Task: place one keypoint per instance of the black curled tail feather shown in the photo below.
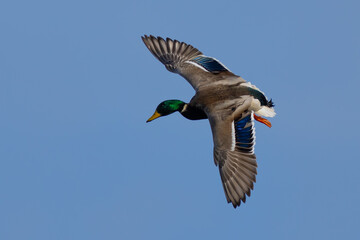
(270, 103)
(257, 94)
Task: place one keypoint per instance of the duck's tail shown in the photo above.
(270, 104)
(266, 111)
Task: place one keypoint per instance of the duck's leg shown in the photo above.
(262, 120)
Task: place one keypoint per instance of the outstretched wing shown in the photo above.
(234, 142)
(189, 62)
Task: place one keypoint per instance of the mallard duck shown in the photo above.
(229, 102)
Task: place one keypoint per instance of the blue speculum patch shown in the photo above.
(244, 136)
(210, 64)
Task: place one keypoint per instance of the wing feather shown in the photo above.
(177, 57)
(237, 166)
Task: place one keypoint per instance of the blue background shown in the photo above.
(78, 161)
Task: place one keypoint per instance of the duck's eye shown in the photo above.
(233, 109)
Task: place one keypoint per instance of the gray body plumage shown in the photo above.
(226, 100)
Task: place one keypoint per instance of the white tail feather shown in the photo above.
(266, 112)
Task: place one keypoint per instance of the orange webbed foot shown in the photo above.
(262, 120)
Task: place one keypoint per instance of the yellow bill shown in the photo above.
(154, 116)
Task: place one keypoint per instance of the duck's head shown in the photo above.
(167, 107)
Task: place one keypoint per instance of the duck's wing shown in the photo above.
(234, 141)
(189, 62)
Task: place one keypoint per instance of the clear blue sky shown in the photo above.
(78, 161)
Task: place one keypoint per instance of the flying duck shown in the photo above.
(229, 103)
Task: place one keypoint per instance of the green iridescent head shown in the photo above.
(167, 107)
